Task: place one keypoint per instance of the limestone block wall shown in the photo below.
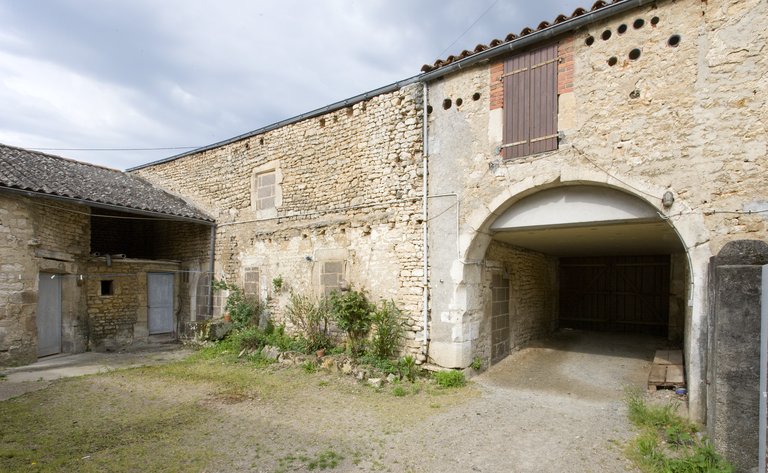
(40, 235)
(533, 296)
(348, 190)
(120, 318)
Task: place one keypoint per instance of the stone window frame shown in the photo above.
(332, 275)
(271, 167)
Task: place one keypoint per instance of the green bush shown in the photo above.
(450, 379)
(353, 314)
(244, 310)
(388, 334)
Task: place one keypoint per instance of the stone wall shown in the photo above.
(348, 190)
(120, 318)
(39, 235)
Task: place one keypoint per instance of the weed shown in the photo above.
(309, 367)
(477, 364)
(311, 318)
(399, 391)
(325, 460)
(450, 379)
(407, 368)
(353, 313)
(277, 283)
(669, 443)
(388, 333)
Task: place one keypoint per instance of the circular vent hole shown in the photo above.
(459, 101)
(429, 109)
(622, 28)
(446, 104)
(606, 35)
(476, 96)
(655, 20)
(612, 61)
(674, 40)
(589, 41)
(634, 54)
(638, 23)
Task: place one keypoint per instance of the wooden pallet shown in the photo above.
(667, 371)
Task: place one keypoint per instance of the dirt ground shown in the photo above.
(553, 407)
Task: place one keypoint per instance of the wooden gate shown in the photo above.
(616, 293)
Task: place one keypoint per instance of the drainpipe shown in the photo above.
(425, 278)
(211, 269)
(763, 370)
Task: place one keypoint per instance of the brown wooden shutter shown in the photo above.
(530, 102)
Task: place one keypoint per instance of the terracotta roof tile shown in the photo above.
(511, 37)
(27, 170)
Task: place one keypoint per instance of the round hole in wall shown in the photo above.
(606, 35)
(634, 54)
(635, 94)
(589, 41)
(655, 20)
(476, 96)
(322, 122)
(459, 101)
(350, 111)
(622, 28)
(612, 61)
(638, 23)
(429, 109)
(446, 104)
(261, 141)
(674, 40)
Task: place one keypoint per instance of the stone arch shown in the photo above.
(475, 238)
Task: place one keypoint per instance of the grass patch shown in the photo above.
(450, 379)
(668, 443)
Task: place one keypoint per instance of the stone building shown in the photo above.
(580, 174)
(92, 258)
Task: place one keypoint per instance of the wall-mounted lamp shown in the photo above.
(667, 200)
(308, 258)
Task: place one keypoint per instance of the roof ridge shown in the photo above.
(49, 155)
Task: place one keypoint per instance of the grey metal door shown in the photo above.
(48, 315)
(160, 300)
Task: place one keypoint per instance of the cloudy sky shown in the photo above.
(185, 73)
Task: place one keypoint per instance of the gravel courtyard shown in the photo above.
(555, 406)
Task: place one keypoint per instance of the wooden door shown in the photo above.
(618, 293)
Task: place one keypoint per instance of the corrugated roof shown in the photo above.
(32, 171)
(511, 37)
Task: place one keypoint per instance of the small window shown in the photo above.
(251, 282)
(331, 275)
(265, 190)
(107, 287)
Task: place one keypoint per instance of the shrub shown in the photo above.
(244, 310)
(450, 379)
(388, 323)
(310, 317)
(353, 313)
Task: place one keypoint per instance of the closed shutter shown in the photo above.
(530, 102)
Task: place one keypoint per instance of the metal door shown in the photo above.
(617, 293)
(48, 314)
(160, 302)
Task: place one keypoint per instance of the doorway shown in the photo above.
(48, 315)
(160, 302)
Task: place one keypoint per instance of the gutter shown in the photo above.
(504, 48)
(425, 212)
